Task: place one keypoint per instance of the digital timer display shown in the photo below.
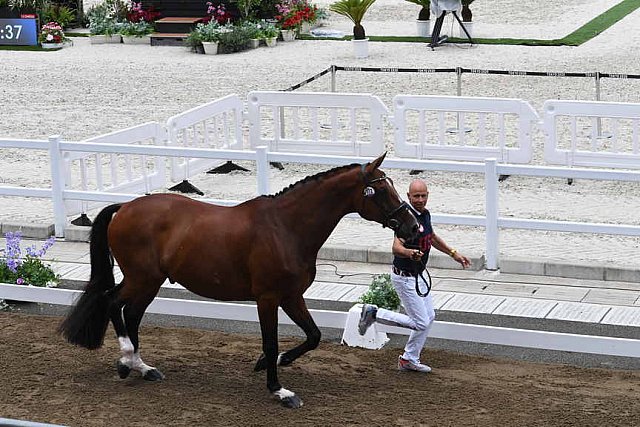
(18, 32)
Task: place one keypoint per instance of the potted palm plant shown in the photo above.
(423, 23)
(467, 17)
(355, 10)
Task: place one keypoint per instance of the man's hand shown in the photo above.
(416, 255)
(463, 260)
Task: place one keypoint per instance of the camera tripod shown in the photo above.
(436, 40)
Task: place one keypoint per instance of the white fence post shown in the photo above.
(57, 185)
(262, 170)
(491, 207)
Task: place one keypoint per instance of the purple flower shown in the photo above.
(13, 264)
(20, 281)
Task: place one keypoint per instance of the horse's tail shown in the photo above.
(86, 324)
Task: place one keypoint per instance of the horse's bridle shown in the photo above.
(389, 220)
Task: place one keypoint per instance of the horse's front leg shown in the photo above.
(268, 314)
(296, 309)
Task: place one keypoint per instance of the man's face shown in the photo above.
(418, 196)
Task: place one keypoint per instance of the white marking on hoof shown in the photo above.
(139, 365)
(283, 393)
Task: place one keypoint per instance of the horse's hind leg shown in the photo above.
(126, 316)
(296, 309)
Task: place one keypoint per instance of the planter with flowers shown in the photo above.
(26, 269)
(292, 15)
(381, 293)
(136, 32)
(355, 11)
(254, 31)
(206, 37)
(51, 36)
(269, 34)
(104, 21)
(218, 13)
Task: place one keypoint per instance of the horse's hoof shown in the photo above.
(153, 375)
(284, 360)
(123, 370)
(293, 402)
(261, 364)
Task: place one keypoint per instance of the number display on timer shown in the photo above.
(19, 32)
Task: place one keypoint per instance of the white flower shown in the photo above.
(49, 37)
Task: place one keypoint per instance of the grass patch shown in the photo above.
(583, 34)
(11, 47)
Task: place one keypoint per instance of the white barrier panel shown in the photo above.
(338, 320)
(115, 173)
(216, 125)
(319, 123)
(463, 128)
(591, 133)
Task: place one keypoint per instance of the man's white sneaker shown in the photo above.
(405, 365)
(367, 317)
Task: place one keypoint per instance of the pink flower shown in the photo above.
(20, 281)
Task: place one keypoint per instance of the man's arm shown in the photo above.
(439, 244)
(399, 250)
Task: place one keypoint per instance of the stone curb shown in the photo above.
(507, 265)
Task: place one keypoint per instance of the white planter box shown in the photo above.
(136, 40)
(361, 48)
(423, 28)
(210, 48)
(102, 39)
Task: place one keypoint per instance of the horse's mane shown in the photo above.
(315, 177)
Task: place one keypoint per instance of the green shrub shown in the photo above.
(381, 293)
(235, 40)
(135, 29)
(60, 14)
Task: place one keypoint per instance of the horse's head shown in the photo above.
(381, 202)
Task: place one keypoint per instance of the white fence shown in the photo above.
(115, 173)
(491, 170)
(218, 124)
(338, 320)
(463, 128)
(601, 134)
(321, 123)
(425, 127)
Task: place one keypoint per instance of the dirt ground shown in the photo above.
(210, 382)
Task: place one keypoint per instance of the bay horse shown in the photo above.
(262, 250)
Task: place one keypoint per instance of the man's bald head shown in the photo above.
(418, 195)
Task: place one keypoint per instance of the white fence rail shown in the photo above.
(491, 170)
(463, 128)
(217, 124)
(320, 123)
(116, 173)
(586, 133)
(338, 320)
(491, 221)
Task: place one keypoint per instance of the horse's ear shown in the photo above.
(376, 163)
